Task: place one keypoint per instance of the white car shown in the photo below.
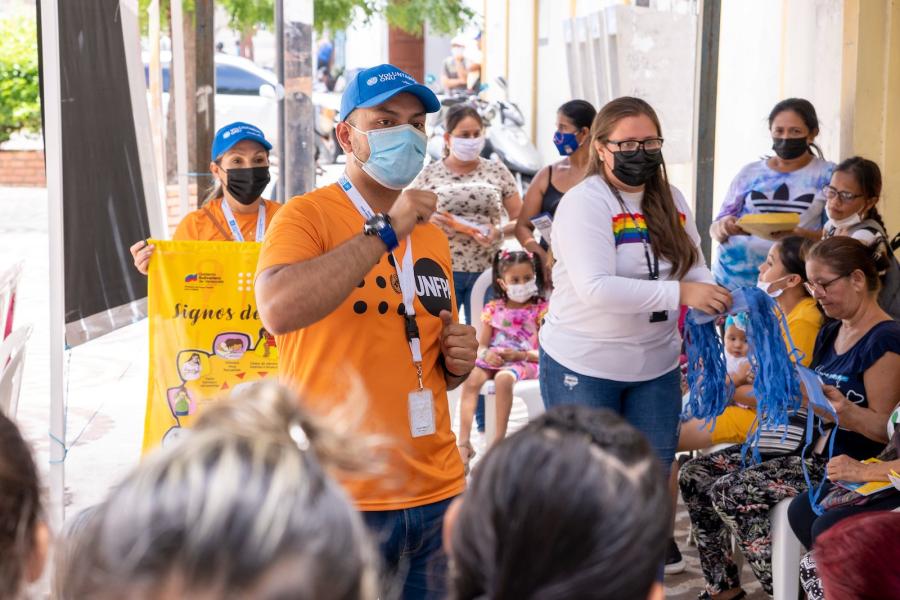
(244, 92)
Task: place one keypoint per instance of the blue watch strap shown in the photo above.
(388, 235)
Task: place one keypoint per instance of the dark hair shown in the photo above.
(504, 259)
(844, 255)
(670, 240)
(791, 252)
(459, 112)
(868, 176)
(20, 506)
(804, 109)
(571, 506)
(580, 112)
(858, 557)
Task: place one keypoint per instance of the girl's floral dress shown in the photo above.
(514, 329)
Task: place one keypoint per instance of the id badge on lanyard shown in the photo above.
(233, 226)
(420, 401)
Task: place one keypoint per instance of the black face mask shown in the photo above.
(636, 170)
(246, 185)
(790, 148)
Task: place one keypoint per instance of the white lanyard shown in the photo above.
(405, 274)
(232, 223)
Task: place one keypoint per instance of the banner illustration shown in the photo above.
(206, 338)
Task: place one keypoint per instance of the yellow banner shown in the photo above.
(206, 338)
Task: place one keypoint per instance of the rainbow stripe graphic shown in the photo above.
(628, 231)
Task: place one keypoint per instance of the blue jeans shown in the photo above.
(653, 406)
(414, 566)
(463, 282)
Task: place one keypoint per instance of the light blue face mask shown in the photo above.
(396, 155)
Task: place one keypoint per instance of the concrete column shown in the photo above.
(870, 93)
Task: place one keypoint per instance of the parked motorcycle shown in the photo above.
(506, 139)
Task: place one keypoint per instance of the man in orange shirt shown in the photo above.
(354, 281)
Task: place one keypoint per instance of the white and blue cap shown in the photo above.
(235, 132)
(376, 85)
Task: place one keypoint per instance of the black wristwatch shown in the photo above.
(380, 225)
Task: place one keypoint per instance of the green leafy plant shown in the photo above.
(20, 102)
(444, 16)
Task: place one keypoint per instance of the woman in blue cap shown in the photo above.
(233, 208)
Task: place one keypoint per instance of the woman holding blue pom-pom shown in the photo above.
(627, 257)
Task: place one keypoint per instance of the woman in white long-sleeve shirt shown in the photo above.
(627, 257)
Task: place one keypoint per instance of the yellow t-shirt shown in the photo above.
(804, 323)
(198, 226)
(365, 336)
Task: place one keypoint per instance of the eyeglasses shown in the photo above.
(811, 286)
(832, 192)
(630, 147)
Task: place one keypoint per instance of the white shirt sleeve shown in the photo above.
(583, 240)
(699, 272)
(865, 236)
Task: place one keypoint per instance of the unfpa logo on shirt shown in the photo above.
(432, 286)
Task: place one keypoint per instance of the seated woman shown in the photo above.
(242, 507)
(852, 206)
(859, 354)
(514, 535)
(841, 503)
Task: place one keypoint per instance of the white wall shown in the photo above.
(367, 44)
(770, 50)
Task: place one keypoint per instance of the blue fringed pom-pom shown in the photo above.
(776, 385)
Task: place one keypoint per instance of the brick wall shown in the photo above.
(22, 168)
(173, 204)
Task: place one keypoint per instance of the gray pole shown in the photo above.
(205, 105)
(299, 170)
(705, 115)
(279, 72)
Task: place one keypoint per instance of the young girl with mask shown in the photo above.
(233, 209)
(852, 199)
(508, 341)
(791, 181)
(573, 130)
(473, 191)
(627, 257)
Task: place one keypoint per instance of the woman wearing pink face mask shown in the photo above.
(478, 201)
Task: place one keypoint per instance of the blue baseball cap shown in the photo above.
(376, 85)
(235, 132)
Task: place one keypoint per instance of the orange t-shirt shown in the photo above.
(197, 225)
(365, 336)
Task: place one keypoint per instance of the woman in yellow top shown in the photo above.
(782, 276)
(233, 209)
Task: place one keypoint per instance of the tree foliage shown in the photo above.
(20, 102)
(248, 15)
(444, 16)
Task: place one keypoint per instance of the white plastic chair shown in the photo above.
(12, 363)
(529, 392)
(786, 548)
(9, 281)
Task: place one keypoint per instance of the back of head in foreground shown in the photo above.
(857, 558)
(572, 506)
(241, 508)
(23, 535)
